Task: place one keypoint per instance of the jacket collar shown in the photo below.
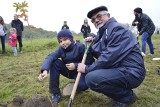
(70, 46)
(105, 26)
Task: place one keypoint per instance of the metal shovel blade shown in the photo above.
(70, 103)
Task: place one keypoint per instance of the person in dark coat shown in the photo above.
(146, 28)
(85, 29)
(18, 24)
(64, 61)
(65, 26)
(119, 65)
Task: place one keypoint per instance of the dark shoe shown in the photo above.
(159, 70)
(134, 98)
(3, 52)
(20, 50)
(118, 104)
(56, 98)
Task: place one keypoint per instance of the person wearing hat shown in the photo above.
(64, 61)
(146, 28)
(119, 65)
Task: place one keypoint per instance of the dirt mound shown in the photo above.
(17, 101)
(35, 101)
(38, 101)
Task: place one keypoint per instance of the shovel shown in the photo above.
(78, 76)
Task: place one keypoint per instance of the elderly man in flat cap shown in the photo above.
(146, 28)
(119, 66)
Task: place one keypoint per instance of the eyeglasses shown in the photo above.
(99, 16)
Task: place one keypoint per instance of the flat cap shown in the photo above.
(96, 10)
(138, 10)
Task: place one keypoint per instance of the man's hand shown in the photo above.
(136, 22)
(88, 39)
(42, 76)
(137, 36)
(70, 66)
(81, 67)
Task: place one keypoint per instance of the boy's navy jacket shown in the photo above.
(73, 54)
(116, 47)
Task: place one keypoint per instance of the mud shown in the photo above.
(35, 101)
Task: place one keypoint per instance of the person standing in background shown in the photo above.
(146, 28)
(65, 26)
(85, 29)
(3, 33)
(18, 24)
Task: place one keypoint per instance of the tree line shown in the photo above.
(34, 32)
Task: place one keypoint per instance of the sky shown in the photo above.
(50, 14)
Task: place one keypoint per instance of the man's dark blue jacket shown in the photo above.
(116, 47)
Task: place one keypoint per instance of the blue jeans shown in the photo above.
(147, 38)
(58, 68)
(3, 42)
(113, 83)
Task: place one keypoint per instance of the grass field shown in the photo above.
(18, 76)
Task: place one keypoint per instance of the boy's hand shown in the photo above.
(42, 76)
(70, 66)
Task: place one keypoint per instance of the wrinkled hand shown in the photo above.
(42, 76)
(88, 39)
(70, 66)
(81, 67)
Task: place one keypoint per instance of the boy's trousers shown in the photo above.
(57, 68)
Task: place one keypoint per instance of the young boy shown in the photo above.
(71, 53)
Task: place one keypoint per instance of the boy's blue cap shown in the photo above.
(65, 33)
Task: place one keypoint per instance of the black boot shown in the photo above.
(21, 50)
(159, 70)
(3, 51)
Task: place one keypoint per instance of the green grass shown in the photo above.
(18, 76)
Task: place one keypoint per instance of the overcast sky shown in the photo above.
(50, 14)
